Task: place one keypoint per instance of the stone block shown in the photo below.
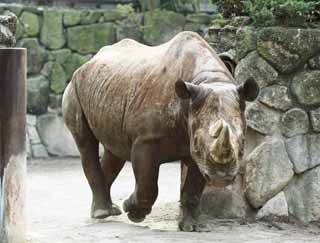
(55, 136)
(304, 151)
(294, 122)
(90, 38)
(37, 94)
(52, 32)
(268, 171)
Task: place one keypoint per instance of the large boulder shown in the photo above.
(160, 26)
(52, 32)
(30, 23)
(275, 208)
(90, 38)
(256, 67)
(304, 151)
(306, 87)
(36, 54)
(276, 96)
(261, 118)
(303, 196)
(287, 49)
(294, 122)
(229, 202)
(268, 171)
(37, 94)
(55, 136)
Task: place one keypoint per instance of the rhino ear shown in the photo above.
(186, 90)
(249, 90)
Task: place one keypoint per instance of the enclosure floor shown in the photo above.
(59, 203)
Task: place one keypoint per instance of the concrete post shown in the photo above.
(12, 144)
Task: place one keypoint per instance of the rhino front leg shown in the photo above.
(190, 198)
(146, 171)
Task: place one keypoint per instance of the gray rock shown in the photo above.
(90, 17)
(73, 62)
(55, 136)
(294, 122)
(268, 171)
(160, 26)
(288, 48)
(229, 202)
(30, 23)
(61, 55)
(36, 54)
(254, 66)
(276, 96)
(304, 151)
(37, 94)
(314, 63)
(55, 101)
(39, 151)
(315, 119)
(71, 17)
(130, 27)
(306, 87)
(303, 196)
(246, 41)
(56, 74)
(31, 120)
(276, 207)
(90, 38)
(261, 118)
(52, 32)
(33, 135)
(227, 36)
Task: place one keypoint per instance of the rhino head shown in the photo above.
(216, 125)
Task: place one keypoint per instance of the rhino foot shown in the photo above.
(101, 213)
(189, 225)
(135, 214)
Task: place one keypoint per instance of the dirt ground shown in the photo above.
(59, 203)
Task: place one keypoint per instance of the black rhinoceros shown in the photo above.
(152, 105)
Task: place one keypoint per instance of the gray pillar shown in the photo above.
(12, 144)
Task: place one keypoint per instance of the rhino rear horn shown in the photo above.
(249, 90)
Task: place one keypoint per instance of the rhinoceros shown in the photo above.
(152, 105)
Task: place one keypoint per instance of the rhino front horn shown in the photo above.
(221, 150)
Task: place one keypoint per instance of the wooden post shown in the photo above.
(12, 144)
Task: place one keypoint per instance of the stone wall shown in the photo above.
(60, 40)
(280, 175)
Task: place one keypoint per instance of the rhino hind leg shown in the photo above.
(89, 150)
(190, 199)
(146, 172)
(111, 166)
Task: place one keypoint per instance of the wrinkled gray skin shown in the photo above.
(152, 105)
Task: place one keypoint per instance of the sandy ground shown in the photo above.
(59, 202)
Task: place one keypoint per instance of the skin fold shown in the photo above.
(151, 105)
